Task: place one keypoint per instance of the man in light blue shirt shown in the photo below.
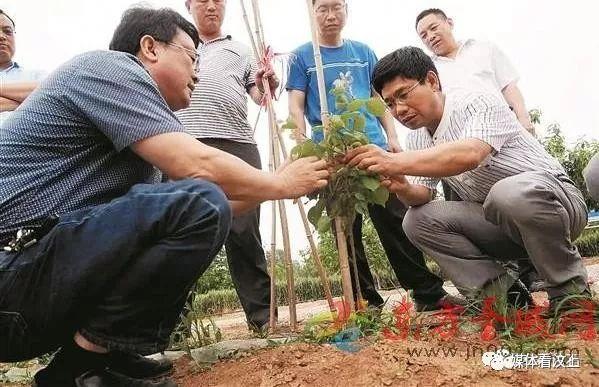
(355, 62)
(17, 82)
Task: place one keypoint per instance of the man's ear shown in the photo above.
(188, 5)
(433, 80)
(450, 22)
(147, 49)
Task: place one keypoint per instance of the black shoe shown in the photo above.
(109, 378)
(137, 366)
(68, 363)
(446, 302)
(519, 296)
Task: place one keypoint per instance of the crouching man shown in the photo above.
(106, 280)
(518, 201)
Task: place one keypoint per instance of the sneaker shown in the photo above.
(137, 366)
(110, 378)
(446, 302)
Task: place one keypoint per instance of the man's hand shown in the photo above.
(396, 184)
(394, 146)
(302, 176)
(268, 74)
(374, 159)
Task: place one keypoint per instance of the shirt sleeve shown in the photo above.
(505, 72)
(250, 73)
(372, 61)
(416, 141)
(297, 78)
(118, 96)
(490, 120)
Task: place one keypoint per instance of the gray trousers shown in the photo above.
(532, 215)
(591, 176)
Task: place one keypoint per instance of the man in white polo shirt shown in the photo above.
(518, 202)
(470, 64)
(17, 82)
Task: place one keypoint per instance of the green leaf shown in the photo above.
(359, 196)
(337, 122)
(310, 148)
(289, 124)
(361, 208)
(324, 224)
(355, 105)
(371, 183)
(314, 215)
(380, 196)
(359, 122)
(376, 107)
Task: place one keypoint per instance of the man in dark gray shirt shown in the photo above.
(106, 279)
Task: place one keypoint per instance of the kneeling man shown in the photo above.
(518, 201)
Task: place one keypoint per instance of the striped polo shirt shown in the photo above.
(219, 102)
(484, 117)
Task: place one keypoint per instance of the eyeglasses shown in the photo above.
(400, 97)
(192, 53)
(8, 31)
(336, 9)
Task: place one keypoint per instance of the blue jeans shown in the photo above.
(119, 273)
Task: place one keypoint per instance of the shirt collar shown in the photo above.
(444, 123)
(461, 45)
(225, 37)
(13, 65)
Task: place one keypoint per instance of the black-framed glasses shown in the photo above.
(400, 97)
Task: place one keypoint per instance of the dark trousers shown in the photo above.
(245, 255)
(118, 273)
(405, 259)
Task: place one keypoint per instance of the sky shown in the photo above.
(553, 45)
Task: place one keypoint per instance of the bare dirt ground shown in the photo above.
(384, 363)
(457, 362)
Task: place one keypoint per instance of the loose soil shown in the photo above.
(383, 363)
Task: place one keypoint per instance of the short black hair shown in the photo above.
(314, 2)
(430, 11)
(8, 17)
(161, 24)
(406, 62)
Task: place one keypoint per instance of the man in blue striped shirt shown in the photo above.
(95, 257)
(518, 201)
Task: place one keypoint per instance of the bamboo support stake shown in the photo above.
(273, 258)
(324, 113)
(276, 159)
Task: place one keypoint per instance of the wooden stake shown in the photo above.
(272, 123)
(324, 113)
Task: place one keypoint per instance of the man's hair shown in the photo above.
(430, 11)
(314, 2)
(161, 24)
(8, 17)
(407, 62)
